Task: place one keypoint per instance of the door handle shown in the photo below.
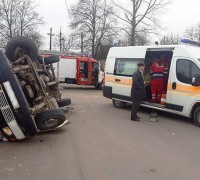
(174, 85)
(117, 80)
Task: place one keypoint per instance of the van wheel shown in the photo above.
(50, 59)
(19, 46)
(64, 102)
(50, 119)
(119, 104)
(196, 116)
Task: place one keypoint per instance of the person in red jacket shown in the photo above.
(165, 62)
(157, 73)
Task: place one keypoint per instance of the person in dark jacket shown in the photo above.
(137, 91)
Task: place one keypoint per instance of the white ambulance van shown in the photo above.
(183, 87)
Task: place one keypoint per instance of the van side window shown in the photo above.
(195, 70)
(125, 66)
(185, 70)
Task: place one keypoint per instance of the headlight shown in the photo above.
(11, 94)
(7, 131)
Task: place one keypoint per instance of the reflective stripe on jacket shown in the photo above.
(157, 70)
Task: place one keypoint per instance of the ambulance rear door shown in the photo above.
(125, 64)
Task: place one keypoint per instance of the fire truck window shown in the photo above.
(82, 66)
(95, 66)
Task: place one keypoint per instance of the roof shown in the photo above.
(140, 51)
(81, 58)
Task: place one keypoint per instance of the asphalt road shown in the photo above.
(102, 143)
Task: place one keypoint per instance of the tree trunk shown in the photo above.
(133, 25)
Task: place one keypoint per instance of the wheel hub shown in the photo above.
(198, 117)
(50, 123)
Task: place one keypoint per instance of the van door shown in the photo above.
(182, 93)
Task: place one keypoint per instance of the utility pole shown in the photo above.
(82, 44)
(60, 40)
(50, 34)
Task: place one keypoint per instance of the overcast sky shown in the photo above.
(179, 15)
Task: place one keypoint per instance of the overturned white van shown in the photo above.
(183, 86)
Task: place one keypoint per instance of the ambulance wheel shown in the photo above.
(50, 119)
(119, 104)
(196, 116)
(50, 59)
(19, 46)
(64, 102)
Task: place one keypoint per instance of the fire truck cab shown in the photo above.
(78, 70)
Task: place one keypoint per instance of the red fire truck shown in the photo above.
(78, 70)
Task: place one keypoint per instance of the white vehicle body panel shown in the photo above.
(66, 68)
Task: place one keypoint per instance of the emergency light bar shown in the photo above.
(188, 41)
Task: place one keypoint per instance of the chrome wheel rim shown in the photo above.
(50, 123)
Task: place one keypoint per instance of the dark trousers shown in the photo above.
(135, 108)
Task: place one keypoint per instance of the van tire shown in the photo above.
(50, 119)
(119, 104)
(50, 59)
(196, 116)
(26, 45)
(64, 102)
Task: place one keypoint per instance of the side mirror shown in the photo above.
(196, 80)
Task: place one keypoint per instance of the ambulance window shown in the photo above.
(195, 70)
(125, 66)
(186, 70)
(183, 71)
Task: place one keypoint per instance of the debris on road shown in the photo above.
(153, 117)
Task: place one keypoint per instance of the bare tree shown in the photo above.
(141, 39)
(170, 39)
(8, 16)
(66, 42)
(193, 33)
(36, 36)
(18, 17)
(28, 17)
(140, 16)
(94, 19)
